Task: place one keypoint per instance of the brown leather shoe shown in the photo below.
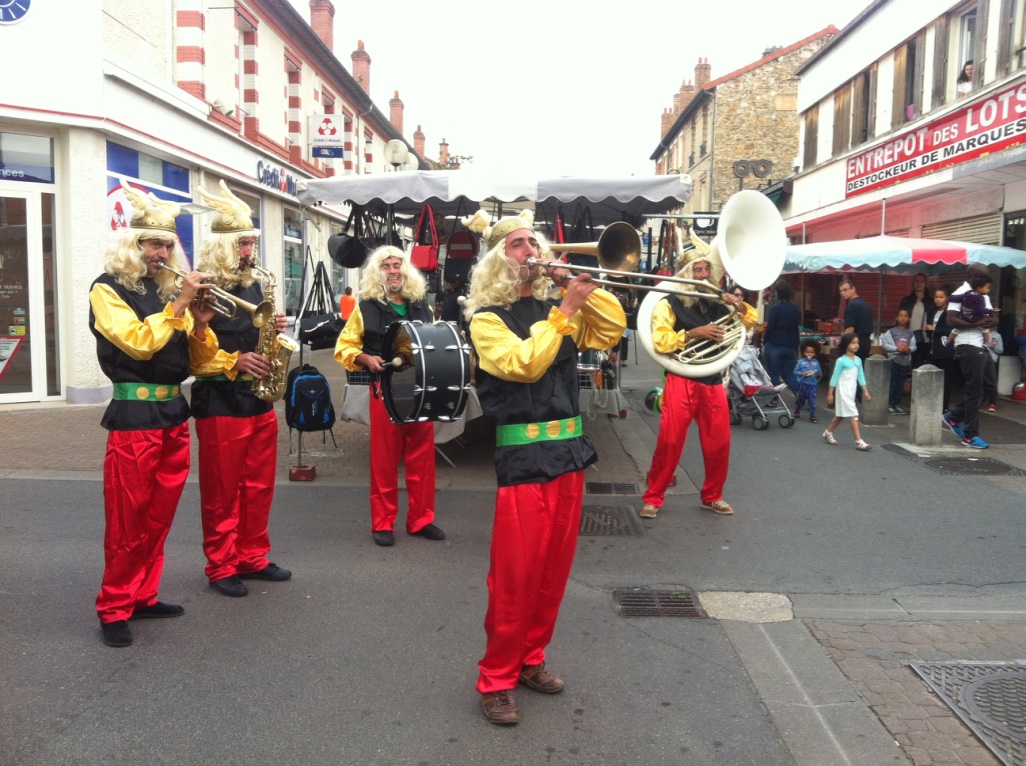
(541, 680)
(500, 708)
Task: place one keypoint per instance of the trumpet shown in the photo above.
(227, 305)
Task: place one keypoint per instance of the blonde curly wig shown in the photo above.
(372, 283)
(124, 261)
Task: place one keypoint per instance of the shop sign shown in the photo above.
(276, 178)
(984, 127)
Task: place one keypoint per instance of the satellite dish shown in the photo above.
(396, 152)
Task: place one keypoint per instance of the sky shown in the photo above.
(558, 88)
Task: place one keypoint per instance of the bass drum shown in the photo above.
(433, 382)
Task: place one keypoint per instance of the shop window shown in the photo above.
(908, 81)
(293, 262)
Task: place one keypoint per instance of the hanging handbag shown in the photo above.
(319, 326)
(425, 254)
(348, 248)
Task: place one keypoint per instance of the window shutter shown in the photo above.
(811, 137)
(898, 100)
(842, 120)
(984, 229)
(940, 63)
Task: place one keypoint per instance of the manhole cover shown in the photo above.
(990, 698)
(643, 602)
(972, 466)
(610, 488)
(601, 520)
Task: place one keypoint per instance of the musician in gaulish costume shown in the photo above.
(145, 332)
(391, 290)
(676, 322)
(527, 350)
(237, 431)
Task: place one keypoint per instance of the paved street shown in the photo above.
(368, 656)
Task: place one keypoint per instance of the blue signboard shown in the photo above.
(334, 152)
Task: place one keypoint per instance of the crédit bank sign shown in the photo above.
(983, 127)
(276, 178)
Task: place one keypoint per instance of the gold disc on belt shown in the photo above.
(553, 428)
(142, 393)
(532, 430)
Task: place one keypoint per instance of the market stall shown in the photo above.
(598, 201)
(883, 268)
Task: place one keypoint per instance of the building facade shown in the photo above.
(893, 142)
(167, 96)
(737, 131)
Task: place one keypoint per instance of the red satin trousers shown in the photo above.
(414, 444)
(534, 539)
(143, 476)
(237, 463)
(685, 400)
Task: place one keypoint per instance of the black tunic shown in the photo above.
(554, 396)
(378, 315)
(232, 398)
(168, 366)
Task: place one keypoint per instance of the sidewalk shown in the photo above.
(829, 666)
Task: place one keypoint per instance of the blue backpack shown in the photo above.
(308, 404)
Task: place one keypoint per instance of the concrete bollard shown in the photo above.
(878, 380)
(925, 425)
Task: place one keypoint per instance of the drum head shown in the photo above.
(433, 383)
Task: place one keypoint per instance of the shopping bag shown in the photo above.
(425, 253)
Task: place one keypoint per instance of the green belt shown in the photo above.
(146, 392)
(222, 376)
(529, 433)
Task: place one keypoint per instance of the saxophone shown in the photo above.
(275, 347)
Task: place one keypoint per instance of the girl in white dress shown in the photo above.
(847, 377)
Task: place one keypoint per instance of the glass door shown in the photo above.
(28, 335)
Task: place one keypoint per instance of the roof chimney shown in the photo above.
(395, 112)
(322, 19)
(443, 153)
(667, 122)
(418, 142)
(702, 72)
(361, 66)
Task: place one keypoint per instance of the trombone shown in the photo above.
(227, 305)
(619, 251)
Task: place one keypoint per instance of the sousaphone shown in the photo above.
(752, 246)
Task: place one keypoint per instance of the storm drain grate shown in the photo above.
(643, 602)
(610, 488)
(971, 466)
(989, 697)
(607, 521)
(963, 465)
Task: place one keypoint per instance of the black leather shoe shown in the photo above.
(385, 537)
(116, 633)
(230, 586)
(157, 609)
(430, 531)
(271, 572)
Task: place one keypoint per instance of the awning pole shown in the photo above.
(883, 218)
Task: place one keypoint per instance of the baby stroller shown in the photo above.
(750, 392)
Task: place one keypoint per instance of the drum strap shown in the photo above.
(529, 433)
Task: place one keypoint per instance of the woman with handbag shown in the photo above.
(392, 290)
